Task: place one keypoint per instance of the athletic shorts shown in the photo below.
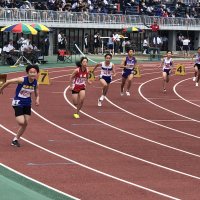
(198, 65)
(167, 71)
(185, 47)
(127, 72)
(110, 46)
(25, 110)
(106, 78)
(76, 92)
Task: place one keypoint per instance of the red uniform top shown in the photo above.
(154, 27)
(79, 81)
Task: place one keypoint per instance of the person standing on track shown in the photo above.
(107, 70)
(22, 100)
(128, 64)
(197, 67)
(78, 84)
(167, 65)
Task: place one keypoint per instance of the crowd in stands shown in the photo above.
(160, 8)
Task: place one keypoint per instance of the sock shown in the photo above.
(14, 138)
(102, 98)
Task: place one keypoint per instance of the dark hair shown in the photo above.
(79, 63)
(169, 51)
(130, 49)
(32, 66)
(108, 54)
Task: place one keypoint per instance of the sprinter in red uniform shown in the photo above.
(78, 84)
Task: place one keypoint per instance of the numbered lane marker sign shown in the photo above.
(3, 78)
(43, 78)
(180, 70)
(136, 72)
(91, 75)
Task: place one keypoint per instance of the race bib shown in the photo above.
(24, 93)
(15, 102)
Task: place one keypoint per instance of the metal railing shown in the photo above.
(94, 20)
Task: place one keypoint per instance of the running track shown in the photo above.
(143, 147)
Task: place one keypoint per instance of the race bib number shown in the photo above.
(24, 93)
(15, 102)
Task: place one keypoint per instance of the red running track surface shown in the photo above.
(145, 146)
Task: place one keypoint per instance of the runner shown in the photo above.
(78, 84)
(107, 70)
(128, 65)
(197, 67)
(22, 100)
(167, 65)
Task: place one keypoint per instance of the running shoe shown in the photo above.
(164, 90)
(121, 93)
(194, 79)
(99, 103)
(128, 93)
(15, 143)
(197, 84)
(76, 116)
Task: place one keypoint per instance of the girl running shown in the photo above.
(107, 70)
(197, 67)
(78, 84)
(22, 100)
(128, 64)
(167, 65)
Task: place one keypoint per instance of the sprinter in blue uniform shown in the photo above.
(22, 100)
(128, 65)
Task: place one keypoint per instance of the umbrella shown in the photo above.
(132, 29)
(20, 28)
(40, 27)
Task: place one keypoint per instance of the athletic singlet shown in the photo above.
(130, 63)
(106, 70)
(197, 58)
(167, 63)
(23, 93)
(79, 81)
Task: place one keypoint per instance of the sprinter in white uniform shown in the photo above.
(167, 65)
(107, 71)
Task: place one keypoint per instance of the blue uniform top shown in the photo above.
(130, 63)
(23, 93)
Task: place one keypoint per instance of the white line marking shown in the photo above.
(40, 183)
(49, 164)
(89, 168)
(160, 98)
(139, 90)
(174, 88)
(127, 132)
(169, 120)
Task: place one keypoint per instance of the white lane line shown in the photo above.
(40, 183)
(175, 113)
(189, 101)
(160, 98)
(92, 169)
(150, 121)
(86, 124)
(49, 164)
(170, 120)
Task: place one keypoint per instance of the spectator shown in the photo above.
(145, 46)
(186, 42)
(86, 43)
(96, 42)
